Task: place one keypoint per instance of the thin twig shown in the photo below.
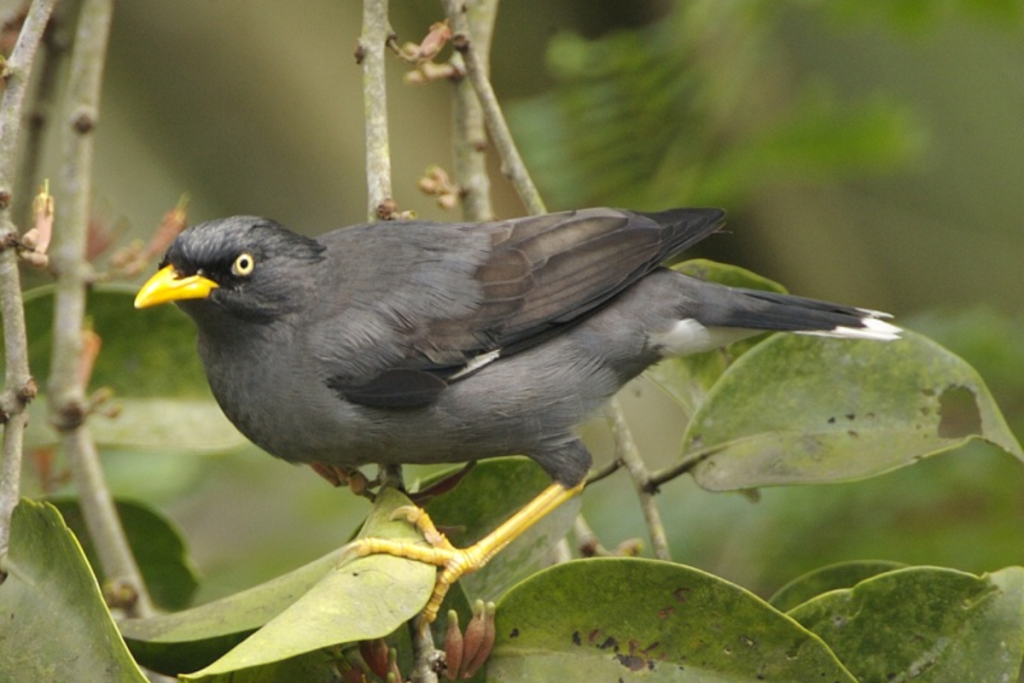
(49, 60)
(626, 450)
(669, 473)
(606, 471)
(68, 403)
(511, 162)
(469, 131)
(18, 384)
(370, 54)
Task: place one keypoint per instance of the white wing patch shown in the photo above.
(476, 363)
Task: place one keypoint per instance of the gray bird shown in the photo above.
(418, 342)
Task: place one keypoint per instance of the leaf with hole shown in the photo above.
(802, 410)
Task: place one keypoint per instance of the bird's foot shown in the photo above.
(453, 562)
(337, 476)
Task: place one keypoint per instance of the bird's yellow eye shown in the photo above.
(243, 265)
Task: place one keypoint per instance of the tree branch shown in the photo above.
(626, 450)
(370, 54)
(68, 403)
(469, 131)
(511, 162)
(49, 63)
(19, 386)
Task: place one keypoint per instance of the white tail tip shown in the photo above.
(874, 327)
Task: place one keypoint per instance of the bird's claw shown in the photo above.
(453, 562)
(457, 562)
(418, 517)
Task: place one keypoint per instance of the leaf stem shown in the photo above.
(68, 403)
(680, 468)
(19, 386)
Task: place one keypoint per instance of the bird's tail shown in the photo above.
(760, 310)
(714, 315)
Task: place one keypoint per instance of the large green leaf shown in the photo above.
(925, 624)
(192, 639)
(179, 425)
(315, 667)
(156, 544)
(55, 624)
(630, 619)
(148, 358)
(824, 579)
(360, 599)
(798, 409)
(145, 353)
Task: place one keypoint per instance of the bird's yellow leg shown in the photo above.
(457, 562)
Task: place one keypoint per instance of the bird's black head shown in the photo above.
(245, 267)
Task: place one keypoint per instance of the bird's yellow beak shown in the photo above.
(167, 286)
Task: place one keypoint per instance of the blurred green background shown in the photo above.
(871, 153)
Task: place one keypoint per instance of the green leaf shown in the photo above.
(315, 667)
(145, 353)
(192, 639)
(361, 599)
(179, 425)
(55, 623)
(728, 274)
(156, 544)
(689, 379)
(824, 579)
(491, 493)
(798, 409)
(630, 619)
(925, 624)
(152, 367)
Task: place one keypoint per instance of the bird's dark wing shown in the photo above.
(548, 271)
(421, 304)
